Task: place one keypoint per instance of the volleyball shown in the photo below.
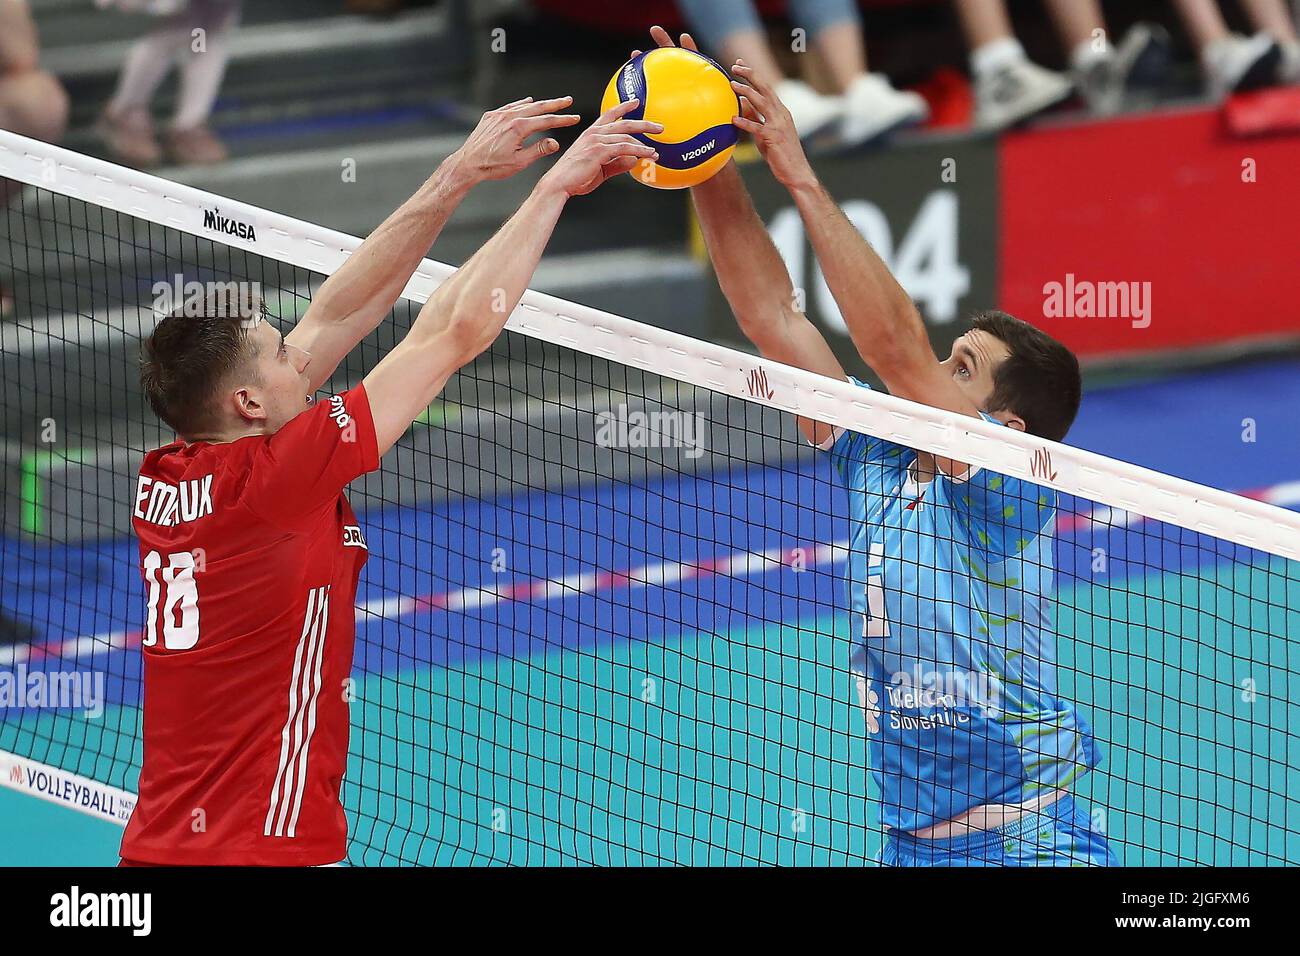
(691, 97)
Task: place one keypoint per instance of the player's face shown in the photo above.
(973, 363)
(283, 391)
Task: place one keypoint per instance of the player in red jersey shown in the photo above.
(249, 550)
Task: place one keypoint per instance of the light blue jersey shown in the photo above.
(949, 588)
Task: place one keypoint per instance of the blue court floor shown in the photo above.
(710, 721)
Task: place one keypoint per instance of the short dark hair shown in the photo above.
(188, 356)
(1039, 380)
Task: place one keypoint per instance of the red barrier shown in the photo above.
(1263, 112)
(1166, 204)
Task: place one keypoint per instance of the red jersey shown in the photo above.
(250, 555)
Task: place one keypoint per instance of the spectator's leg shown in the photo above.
(32, 102)
(835, 27)
(1273, 18)
(984, 22)
(1008, 88)
(1203, 21)
(126, 124)
(733, 30)
(872, 107)
(1093, 65)
(19, 49)
(190, 140)
(1231, 63)
(147, 62)
(1077, 21)
(1103, 70)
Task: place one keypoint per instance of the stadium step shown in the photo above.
(649, 226)
(80, 344)
(308, 94)
(63, 473)
(286, 63)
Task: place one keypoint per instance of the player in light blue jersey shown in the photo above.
(950, 569)
(974, 752)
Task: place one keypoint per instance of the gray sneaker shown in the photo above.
(1133, 72)
(1237, 64)
(1016, 92)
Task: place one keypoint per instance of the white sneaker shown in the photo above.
(1100, 84)
(1009, 94)
(1238, 63)
(813, 112)
(872, 107)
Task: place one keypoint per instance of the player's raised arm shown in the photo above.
(757, 284)
(752, 274)
(467, 312)
(355, 299)
(882, 319)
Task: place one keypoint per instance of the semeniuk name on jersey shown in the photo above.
(162, 503)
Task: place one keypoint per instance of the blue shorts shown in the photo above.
(1061, 835)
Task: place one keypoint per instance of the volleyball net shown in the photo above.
(606, 616)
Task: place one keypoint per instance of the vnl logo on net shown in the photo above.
(53, 690)
(621, 427)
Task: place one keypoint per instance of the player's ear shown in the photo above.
(247, 405)
(1010, 419)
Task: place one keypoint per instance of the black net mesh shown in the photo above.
(605, 617)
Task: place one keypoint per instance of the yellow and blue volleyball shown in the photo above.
(691, 97)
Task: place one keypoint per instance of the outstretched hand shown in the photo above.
(661, 38)
(762, 114)
(766, 118)
(605, 149)
(496, 148)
